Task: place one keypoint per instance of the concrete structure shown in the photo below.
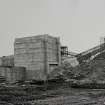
(39, 54)
(7, 60)
(12, 74)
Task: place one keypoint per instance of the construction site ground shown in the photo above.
(60, 94)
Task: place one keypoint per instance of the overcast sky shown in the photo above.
(79, 23)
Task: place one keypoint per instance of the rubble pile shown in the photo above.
(94, 70)
(91, 74)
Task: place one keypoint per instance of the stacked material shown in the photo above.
(39, 54)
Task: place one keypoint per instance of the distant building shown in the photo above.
(39, 54)
(7, 60)
(8, 72)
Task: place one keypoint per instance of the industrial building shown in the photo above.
(39, 54)
(34, 58)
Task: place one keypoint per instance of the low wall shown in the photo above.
(12, 74)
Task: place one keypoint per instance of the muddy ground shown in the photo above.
(70, 96)
(55, 95)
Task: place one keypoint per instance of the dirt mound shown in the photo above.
(93, 71)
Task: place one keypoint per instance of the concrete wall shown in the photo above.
(12, 74)
(38, 54)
